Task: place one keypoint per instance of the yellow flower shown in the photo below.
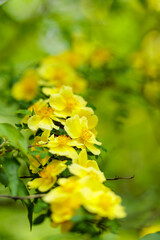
(54, 72)
(43, 117)
(91, 117)
(152, 229)
(65, 102)
(64, 199)
(82, 167)
(100, 200)
(48, 176)
(77, 128)
(62, 146)
(99, 57)
(27, 88)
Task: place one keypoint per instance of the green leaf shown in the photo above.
(39, 219)
(40, 205)
(154, 236)
(24, 112)
(30, 213)
(13, 135)
(3, 178)
(11, 166)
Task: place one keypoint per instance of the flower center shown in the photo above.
(63, 139)
(45, 111)
(85, 134)
(71, 103)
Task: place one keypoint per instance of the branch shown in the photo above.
(30, 146)
(23, 198)
(119, 178)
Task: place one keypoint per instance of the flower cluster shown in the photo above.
(63, 129)
(55, 71)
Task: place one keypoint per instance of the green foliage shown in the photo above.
(14, 137)
(154, 236)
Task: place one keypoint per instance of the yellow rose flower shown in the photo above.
(27, 87)
(48, 176)
(100, 200)
(43, 117)
(82, 167)
(77, 128)
(65, 102)
(62, 145)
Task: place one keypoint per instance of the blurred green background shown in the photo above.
(125, 92)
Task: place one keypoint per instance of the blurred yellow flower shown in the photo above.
(48, 176)
(62, 145)
(65, 102)
(88, 192)
(27, 87)
(99, 57)
(100, 200)
(77, 128)
(43, 117)
(151, 229)
(64, 199)
(82, 167)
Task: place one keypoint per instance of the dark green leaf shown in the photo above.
(3, 178)
(13, 135)
(39, 219)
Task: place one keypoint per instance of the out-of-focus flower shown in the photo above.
(43, 117)
(151, 229)
(100, 200)
(48, 176)
(99, 57)
(77, 128)
(27, 87)
(64, 199)
(82, 167)
(65, 102)
(62, 145)
(88, 192)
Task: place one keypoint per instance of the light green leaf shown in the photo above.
(11, 166)
(14, 136)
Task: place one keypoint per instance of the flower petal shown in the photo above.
(73, 127)
(33, 122)
(57, 102)
(92, 148)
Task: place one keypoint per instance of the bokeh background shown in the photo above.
(125, 89)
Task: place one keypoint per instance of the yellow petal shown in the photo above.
(57, 102)
(47, 124)
(33, 122)
(92, 148)
(46, 184)
(35, 183)
(82, 158)
(92, 121)
(64, 151)
(73, 127)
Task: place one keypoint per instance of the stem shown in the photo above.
(30, 146)
(118, 178)
(23, 198)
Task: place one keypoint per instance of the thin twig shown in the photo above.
(27, 177)
(30, 146)
(24, 197)
(118, 178)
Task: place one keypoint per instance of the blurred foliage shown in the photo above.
(125, 91)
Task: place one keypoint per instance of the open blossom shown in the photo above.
(48, 176)
(64, 199)
(99, 199)
(43, 117)
(65, 102)
(88, 192)
(62, 145)
(77, 128)
(82, 167)
(27, 87)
